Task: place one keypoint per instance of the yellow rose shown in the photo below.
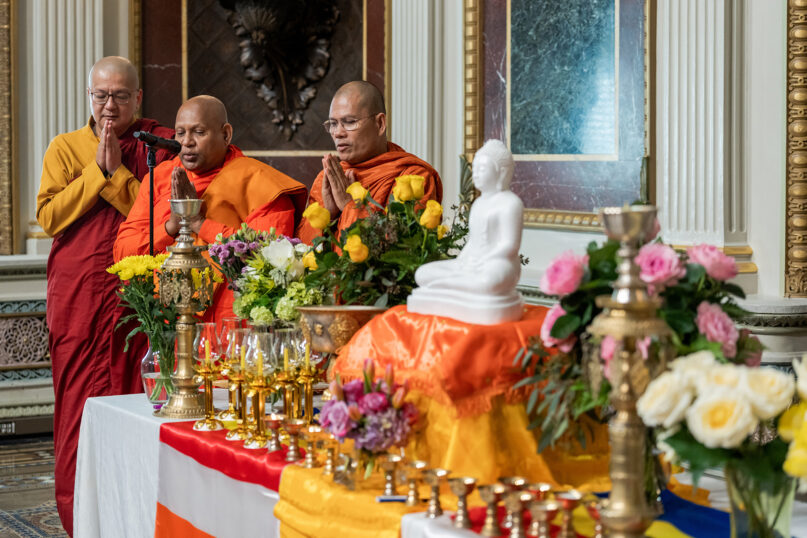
(665, 401)
(358, 251)
(800, 367)
(720, 376)
(417, 183)
(441, 231)
(721, 419)
(432, 215)
(356, 191)
(791, 421)
(318, 217)
(402, 191)
(796, 461)
(310, 260)
(769, 391)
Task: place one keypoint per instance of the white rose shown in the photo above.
(692, 366)
(721, 419)
(665, 401)
(279, 253)
(800, 367)
(720, 376)
(301, 248)
(768, 390)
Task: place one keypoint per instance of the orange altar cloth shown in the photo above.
(472, 422)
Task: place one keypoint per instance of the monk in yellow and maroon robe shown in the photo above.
(234, 188)
(357, 122)
(90, 178)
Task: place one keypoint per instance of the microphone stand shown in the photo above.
(151, 162)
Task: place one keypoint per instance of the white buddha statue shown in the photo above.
(479, 285)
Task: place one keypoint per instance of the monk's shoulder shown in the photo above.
(252, 169)
(409, 163)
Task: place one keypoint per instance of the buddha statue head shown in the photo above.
(493, 167)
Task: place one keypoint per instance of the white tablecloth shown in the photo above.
(122, 470)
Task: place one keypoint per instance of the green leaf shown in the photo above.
(680, 321)
(695, 272)
(382, 300)
(564, 326)
(698, 456)
(532, 401)
(734, 289)
(529, 380)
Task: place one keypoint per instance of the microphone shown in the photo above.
(158, 142)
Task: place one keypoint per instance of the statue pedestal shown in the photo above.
(477, 309)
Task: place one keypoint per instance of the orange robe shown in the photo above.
(82, 208)
(377, 175)
(240, 190)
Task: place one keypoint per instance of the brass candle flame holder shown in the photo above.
(330, 455)
(568, 501)
(273, 422)
(313, 434)
(390, 466)
(233, 391)
(241, 432)
(305, 381)
(207, 371)
(177, 288)
(542, 512)
(435, 477)
(462, 487)
(515, 502)
(539, 489)
(491, 494)
(414, 473)
(629, 316)
(512, 483)
(293, 427)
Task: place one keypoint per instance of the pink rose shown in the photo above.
(717, 326)
(335, 417)
(643, 346)
(353, 390)
(552, 316)
(374, 402)
(564, 274)
(659, 265)
(717, 265)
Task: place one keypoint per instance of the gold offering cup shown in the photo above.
(462, 487)
(491, 494)
(414, 473)
(313, 434)
(305, 380)
(293, 427)
(273, 422)
(434, 477)
(390, 466)
(512, 483)
(516, 502)
(568, 501)
(241, 431)
(330, 444)
(542, 512)
(539, 489)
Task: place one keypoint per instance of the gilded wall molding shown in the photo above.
(796, 148)
(136, 36)
(474, 81)
(8, 187)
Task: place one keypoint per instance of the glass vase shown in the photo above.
(157, 366)
(357, 471)
(759, 510)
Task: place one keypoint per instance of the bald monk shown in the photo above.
(234, 188)
(357, 122)
(90, 178)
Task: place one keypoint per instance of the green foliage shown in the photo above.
(397, 245)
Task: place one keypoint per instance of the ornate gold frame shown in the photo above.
(796, 150)
(9, 242)
(473, 21)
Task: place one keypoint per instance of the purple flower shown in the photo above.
(254, 245)
(244, 270)
(294, 240)
(373, 402)
(335, 418)
(239, 246)
(382, 430)
(353, 390)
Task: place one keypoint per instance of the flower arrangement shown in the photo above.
(697, 303)
(370, 411)
(138, 291)
(706, 414)
(373, 262)
(266, 272)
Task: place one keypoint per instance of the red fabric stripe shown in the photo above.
(212, 450)
(170, 525)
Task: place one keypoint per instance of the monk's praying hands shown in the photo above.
(335, 182)
(182, 189)
(108, 154)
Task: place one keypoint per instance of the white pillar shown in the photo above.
(699, 171)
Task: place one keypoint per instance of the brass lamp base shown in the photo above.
(183, 405)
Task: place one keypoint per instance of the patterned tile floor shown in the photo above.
(27, 508)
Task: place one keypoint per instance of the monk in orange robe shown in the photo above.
(89, 183)
(357, 123)
(234, 188)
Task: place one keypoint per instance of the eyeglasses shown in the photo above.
(350, 124)
(120, 98)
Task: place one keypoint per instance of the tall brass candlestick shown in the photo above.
(306, 383)
(177, 288)
(629, 316)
